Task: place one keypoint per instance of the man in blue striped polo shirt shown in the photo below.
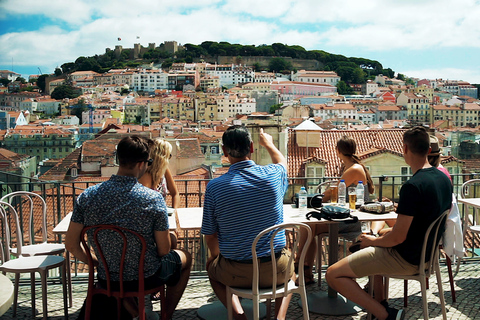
(239, 205)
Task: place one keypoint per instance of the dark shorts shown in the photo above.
(168, 274)
(235, 274)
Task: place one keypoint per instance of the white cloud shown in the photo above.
(379, 27)
(72, 12)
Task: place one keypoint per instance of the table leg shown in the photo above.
(331, 303)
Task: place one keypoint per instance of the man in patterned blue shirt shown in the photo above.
(239, 205)
(124, 202)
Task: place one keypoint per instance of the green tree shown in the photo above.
(279, 65)
(41, 82)
(58, 71)
(256, 67)
(64, 91)
(275, 107)
(5, 81)
(21, 79)
(344, 88)
(401, 76)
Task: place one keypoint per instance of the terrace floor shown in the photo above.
(199, 293)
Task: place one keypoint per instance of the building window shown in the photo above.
(313, 171)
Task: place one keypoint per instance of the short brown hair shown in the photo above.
(417, 140)
(133, 149)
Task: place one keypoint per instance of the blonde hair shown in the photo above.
(160, 153)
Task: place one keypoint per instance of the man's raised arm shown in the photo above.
(266, 140)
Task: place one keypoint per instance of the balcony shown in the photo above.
(61, 195)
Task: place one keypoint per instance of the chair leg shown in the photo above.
(43, 277)
(141, 308)
(319, 259)
(450, 279)
(69, 279)
(229, 304)
(63, 269)
(423, 285)
(269, 308)
(163, 304)
(256, 307)
(371, 284)
(405, 293)
(15, 293)
(32, 290)
(440, 290)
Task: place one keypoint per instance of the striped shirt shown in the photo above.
(242, 203)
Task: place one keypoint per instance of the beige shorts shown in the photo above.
(235, 274)
(375, 260)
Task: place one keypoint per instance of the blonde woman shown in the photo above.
(158, 176)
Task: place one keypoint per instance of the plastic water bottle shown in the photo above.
(342, 193)
(360, 193)
(302, 200)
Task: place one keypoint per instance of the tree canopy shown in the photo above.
(352, 70)
(64, 91)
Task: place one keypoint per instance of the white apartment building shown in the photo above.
(335, 110)
(149, 80)
(243, 75)
(264, 77)
(224, 73)
(323, 77)
(229, 105)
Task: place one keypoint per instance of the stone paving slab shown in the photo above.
(199, 292)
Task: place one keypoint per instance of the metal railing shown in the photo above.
(61, 195)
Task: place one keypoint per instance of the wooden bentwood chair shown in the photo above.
(426, 269)
(117, 289)
(276, 291)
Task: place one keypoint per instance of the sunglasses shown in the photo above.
(149, 162)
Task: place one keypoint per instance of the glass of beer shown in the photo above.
(366, 227)
(334, 193)
(352, 197)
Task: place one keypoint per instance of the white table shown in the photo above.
(475, 203)
(320, 302)
(6, 293)
(62, 227)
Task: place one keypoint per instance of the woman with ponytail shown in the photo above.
(352, 171)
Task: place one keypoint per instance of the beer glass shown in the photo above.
(352, 197)
(334, 194)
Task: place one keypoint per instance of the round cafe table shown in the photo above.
(6, 294)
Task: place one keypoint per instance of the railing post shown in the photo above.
(380, 191)
(199, 193)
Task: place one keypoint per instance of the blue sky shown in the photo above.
(424, 39)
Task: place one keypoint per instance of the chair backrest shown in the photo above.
(9, 217)
(34, 205)
(272, 232)
(127, 238)
(325, 185)
(431, 241)
(466, 188)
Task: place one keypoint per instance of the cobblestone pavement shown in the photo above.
(199, 293)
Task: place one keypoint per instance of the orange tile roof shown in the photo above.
(391, 140)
